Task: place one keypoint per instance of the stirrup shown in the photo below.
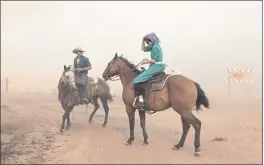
(150, 113)
(139, 107)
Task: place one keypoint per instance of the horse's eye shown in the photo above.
(67, 77)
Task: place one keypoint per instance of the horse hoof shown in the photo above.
(176, 147)
(145, 143)
(90, 121)
(61, 130)
(104, 125)
(197, 152)
(128, 143)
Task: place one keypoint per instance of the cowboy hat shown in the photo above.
(78, 49)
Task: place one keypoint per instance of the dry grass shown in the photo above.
(13, 138)
(20, 144)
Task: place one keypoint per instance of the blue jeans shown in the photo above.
(82, 87)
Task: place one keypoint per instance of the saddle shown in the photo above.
(93, 86)
(93, 81)
(156, 82)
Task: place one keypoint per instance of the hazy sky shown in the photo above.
(200, 39)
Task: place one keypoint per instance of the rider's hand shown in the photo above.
(145, 36)
(144, 61)
(77, 70)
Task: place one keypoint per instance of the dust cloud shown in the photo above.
(199, 39)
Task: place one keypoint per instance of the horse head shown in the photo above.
(112, 68)
(118, 66)
(68, 77)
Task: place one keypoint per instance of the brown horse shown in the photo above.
(176, 91)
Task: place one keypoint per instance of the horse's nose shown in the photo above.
(105, 77)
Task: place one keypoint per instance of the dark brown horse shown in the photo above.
(69, 97)
(177, 91)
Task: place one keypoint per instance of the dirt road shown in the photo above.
(30, 134)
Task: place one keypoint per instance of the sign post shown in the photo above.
(237, 76)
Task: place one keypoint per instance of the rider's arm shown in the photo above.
(155, 55)
(152, 61)
(147, 49)
(87, 64)
(74, 64)
(143, 48)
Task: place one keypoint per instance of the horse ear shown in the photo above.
(116, 55)
(65, 67)
(69, 67)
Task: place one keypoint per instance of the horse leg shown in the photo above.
(131, 116)
(69, 109)
(63, 120)
(196, 123)
(106, 109)
(96, 106)
(86, 108)
(185, 127)
(142, 116)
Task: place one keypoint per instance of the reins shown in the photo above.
(114, 77)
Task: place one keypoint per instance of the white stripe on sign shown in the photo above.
(247, 70)
(239, 81)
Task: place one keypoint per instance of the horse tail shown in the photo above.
(201, 98)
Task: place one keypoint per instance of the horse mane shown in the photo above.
(130, 65)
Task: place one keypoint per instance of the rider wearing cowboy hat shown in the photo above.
(81, 66)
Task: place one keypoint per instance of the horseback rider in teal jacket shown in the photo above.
(156, 66)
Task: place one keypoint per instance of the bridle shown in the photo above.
(113, 64)
(66, 83)
(67, 89)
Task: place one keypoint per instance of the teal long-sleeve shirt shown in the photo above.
(156, 54)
